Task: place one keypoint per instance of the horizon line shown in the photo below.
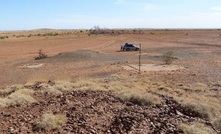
(111, 29)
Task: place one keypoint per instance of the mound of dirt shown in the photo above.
(92, 112)
(84, 55)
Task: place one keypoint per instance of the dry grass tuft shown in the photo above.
(196, 98)
(199, 110)
(205, 107)
(51, 90)
(18, 98)
(217, 84)
(139, 97)
(6, 91)
(10, 89)
(3, 103)
(84, 85)
(62, 86)
(46, 88)
(217, 124)
(118, 86)
(89, 84)
(200, 87)
(50, 121)
(195, 128)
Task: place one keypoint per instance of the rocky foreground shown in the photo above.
(95, 112)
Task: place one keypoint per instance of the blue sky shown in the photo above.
(85, 14)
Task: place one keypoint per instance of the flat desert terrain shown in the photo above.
(93, 87)
(197, 51)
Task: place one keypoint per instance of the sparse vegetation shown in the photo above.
(18, 98)
(97, 30)
(199, 110)
(4, 37)
(41, 55)
(7, 90)
(29, 35)
(196, 128)
(49, 121)
(200, 104)
(168, 57)
(217, 124)
(216, 84)
(132, 90)
(139, 97)
(200, 87)
(155, 101)
(55, 89)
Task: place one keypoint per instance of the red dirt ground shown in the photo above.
(199, 51)
(79, 56)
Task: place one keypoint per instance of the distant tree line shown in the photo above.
(3, 37)
(97, 30)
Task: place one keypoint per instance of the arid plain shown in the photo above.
(84, 68)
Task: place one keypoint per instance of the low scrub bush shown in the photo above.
(169, 57)
(199, 110)
(18, 98)
(4, 37)
(46, 88)
(50, 121)
(6, 91)
(41, 55)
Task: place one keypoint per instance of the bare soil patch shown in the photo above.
(84, 55)
(153, 67)
(31, 66)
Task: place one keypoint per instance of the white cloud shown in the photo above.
(193, 20)
(150, 7)
(141, 6)
(120, 0)
(217, 8)
(142, 15)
